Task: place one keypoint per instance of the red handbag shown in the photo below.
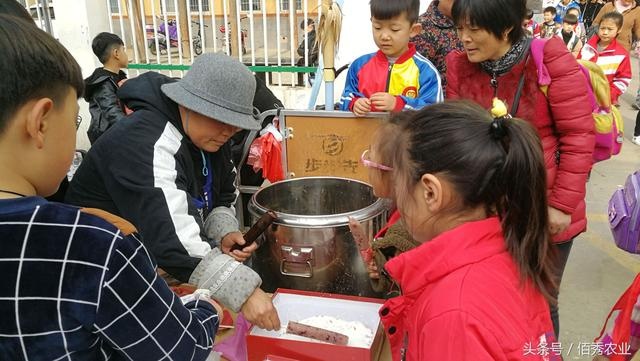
(616, 343)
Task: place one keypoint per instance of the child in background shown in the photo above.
(483, 235)
(562, 7)
(308, 58)
(569, 36)
(636, 131)
(604, 50)
(579, 29)
(82, 285)
(549, 27)
(531, 26)
(396, 77)
(102, 85)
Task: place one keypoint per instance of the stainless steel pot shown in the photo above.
(309, 246)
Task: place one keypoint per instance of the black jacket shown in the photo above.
(313, 55)
(146, 170)
(104, 106)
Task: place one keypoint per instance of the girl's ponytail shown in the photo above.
(523, 210)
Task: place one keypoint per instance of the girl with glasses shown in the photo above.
(392, 239)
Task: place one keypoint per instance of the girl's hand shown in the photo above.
(372, 269)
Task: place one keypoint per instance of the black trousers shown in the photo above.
(562, 255)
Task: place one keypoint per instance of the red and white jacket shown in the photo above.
(615, 63)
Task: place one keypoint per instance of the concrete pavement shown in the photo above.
(597, 271)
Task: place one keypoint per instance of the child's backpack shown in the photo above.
(607, 118)
(624, 214)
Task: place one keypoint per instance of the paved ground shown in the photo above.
(597, 271)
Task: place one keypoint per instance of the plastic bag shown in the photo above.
(265, 153)
(234, 348)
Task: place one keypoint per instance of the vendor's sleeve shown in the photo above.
(229, 281)
(222, 219)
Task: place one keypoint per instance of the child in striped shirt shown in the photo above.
(604, 50)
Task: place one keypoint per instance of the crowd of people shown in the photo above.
(487, 171)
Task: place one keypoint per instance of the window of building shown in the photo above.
(171, 6)
(195, 6)
(284, 5)
(113, 5)
(244, 5)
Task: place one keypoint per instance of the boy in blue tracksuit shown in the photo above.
(395, 77)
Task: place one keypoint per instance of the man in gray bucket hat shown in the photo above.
(167, 168)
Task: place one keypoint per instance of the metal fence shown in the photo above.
(42, 13)
(263, 34)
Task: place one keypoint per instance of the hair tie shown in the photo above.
(500, 114)
(498, 130)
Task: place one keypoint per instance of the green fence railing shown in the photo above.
(255, 68)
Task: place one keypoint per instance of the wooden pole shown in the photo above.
(235, 28)
(138, 30)
(329, 46)
(328, 57)
(185, 23)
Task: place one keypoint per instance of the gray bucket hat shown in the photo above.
(219, 87)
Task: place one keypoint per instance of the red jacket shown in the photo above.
(562, 118)
(614, 62)
(467, 302)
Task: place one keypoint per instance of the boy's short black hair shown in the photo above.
(387, 9)
(550, 9)
(14, 8)
(570, 19)
(34, 65)
(529, 14)
(103, 44)
(573, 9)
(614, 16)
(304, 24)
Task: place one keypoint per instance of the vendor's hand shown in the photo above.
(361, 107)
(236, 238)
(383, 101)
(372, 269)
(558, 220)
(258, 309)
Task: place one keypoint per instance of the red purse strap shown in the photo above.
(622, 328)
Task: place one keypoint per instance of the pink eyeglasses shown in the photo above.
(364, 158)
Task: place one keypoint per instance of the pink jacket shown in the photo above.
(563, 120)
(467, 302)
